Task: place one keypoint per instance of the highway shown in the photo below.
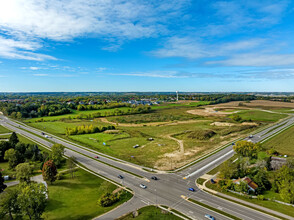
(170, 187)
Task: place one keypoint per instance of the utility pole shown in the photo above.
(177, 95)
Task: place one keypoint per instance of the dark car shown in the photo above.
(96, 157)
(120, 176)
(154, 178)
(191, 189)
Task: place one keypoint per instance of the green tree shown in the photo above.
(23, 172)
(261, 179)
(227, 170)
(2, 185)
(13, 140)
(49, 171)
(57, 152)
(9, 204)
(71, 163)
(11, 156)
(32, 199)
(247, 149)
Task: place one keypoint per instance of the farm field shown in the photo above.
(87, 188)
(179, 136)
(151, 212)
(283, 143)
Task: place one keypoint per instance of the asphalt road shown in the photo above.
(168, 190)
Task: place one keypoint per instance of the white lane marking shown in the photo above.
(147, 203)
(207, 165)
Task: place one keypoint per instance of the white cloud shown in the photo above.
(21, 49)
(40, 74)
(25, 22)
(255, 59)
(193, 48)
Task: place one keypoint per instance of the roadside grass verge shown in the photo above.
(151, 212)
(288, 210)
(76, 198)
(214, 209)
(4, 130)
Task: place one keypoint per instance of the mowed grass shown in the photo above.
(121, 145)
(77, 198)
(151, 212)
(283, 142)
(59, 127)
(260, 116)
(4, 130)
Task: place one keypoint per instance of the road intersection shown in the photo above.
(169, 189)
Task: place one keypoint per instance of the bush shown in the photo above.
(108, 199)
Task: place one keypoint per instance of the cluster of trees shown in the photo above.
(240, 168)
(28, 199)
(284, 182)
(102, 106)
(33, 109)
(87, 129)
(16, 152)
(247, 149)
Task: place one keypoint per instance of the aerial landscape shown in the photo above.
(144, 110)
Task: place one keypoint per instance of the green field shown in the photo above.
(77, 198)
(260, 116)
(4, 130)
(74, 114)
(283, 143)
(151, 212)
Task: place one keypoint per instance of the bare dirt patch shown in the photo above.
(211, 111)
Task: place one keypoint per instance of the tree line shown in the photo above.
(87, 129)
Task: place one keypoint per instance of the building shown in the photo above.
(277, 162)
(252, 186)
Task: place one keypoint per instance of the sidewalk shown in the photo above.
(254, 206)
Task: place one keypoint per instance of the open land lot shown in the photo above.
(179, 134)
(283, 143)
(85, 187)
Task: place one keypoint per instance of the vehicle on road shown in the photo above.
(46, 136)
(96, 157)
(154, 178)
(120, 176)
(143, 186)
(250, 136)
(233, 143)
(43, 133)
(191, 189)
(209, 217)
(137, 145)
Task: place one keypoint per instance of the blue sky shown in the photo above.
(136, 45)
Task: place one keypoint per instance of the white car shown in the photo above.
(143, 186)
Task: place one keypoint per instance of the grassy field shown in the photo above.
(283, 143)
(4, 130)
(159, 114)
(77, 198)
(260, 116)
(151, 212)
(74, 114)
